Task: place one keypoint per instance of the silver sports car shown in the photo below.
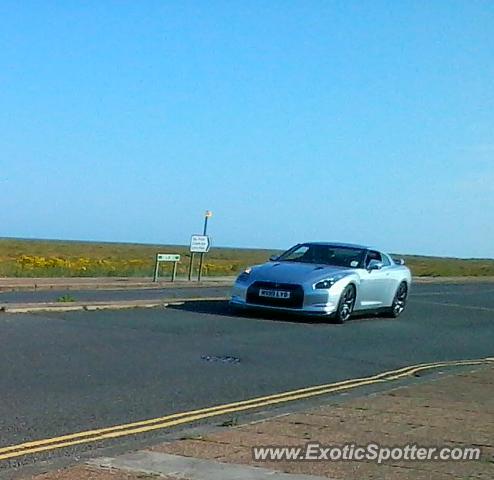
(332, 279)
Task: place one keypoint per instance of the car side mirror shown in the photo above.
(273, 258)
(374, 265)
(399, 261)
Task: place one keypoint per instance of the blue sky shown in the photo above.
(365, 121)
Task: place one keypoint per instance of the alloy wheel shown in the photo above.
(400, 299)
(346, 306)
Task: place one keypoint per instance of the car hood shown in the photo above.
(296, 272)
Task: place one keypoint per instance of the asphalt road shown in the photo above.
(30, 296)
(68, 372)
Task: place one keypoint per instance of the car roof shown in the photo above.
(339, 244)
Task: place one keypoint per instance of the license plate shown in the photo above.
(274, 293)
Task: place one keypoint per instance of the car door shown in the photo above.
(388, 282)
(375, 285)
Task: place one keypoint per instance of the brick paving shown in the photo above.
(456, 410)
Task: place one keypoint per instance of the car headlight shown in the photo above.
(324, 284)
(245, 274)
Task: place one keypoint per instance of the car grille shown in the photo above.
(296, 299)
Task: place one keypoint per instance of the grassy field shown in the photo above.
(52, 258)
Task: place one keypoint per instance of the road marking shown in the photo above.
(241, 406)
(456, 305)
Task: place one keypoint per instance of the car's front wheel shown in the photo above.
(346, 304)
(399, 301)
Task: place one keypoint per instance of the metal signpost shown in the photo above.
(200, 244)
(166, 257)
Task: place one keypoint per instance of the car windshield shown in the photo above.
(324, 254)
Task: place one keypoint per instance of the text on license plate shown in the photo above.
(274, 293)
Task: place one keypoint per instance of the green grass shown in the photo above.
(449, 267)
(66, 299)
(53, 258)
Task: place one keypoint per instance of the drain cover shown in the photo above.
(220, 358)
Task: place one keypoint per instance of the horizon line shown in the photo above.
(32, 239)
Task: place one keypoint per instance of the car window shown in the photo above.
(372, 255)
(324, 254)
(385, 260)
(298, 254)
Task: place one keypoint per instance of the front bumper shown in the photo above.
(315, 302)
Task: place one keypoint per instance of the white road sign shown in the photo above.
(200, 244)
(168, 257)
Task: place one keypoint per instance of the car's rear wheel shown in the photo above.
(346, 304)
(399, 301)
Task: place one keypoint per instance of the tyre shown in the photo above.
(346, 304)
(399, 301)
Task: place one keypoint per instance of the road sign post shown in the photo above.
(156, 269)
(174, 271)
(200, 244)
(166, 257)
(204, 231)
(191, 262)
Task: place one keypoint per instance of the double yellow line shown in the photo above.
(144, 426)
